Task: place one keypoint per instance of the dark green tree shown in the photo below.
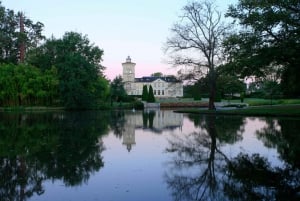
(145, 93)
(11, 37)
(192, 91)
(81, 81)
(151, 98)
(268, 37)
(228, 85)
(157, 74)
(117, 90)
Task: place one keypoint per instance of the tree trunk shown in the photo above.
(212, 90)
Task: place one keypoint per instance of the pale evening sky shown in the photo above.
(137, 28)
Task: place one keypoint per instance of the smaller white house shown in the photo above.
(165, 86)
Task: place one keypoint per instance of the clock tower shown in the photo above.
(128, 75)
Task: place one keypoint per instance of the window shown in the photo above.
(154, 92)
(158, 92)
(162, 92)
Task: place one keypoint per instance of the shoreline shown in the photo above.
(267, 111)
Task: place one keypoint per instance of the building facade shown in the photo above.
(165, 86)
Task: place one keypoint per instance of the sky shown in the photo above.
(135, 28)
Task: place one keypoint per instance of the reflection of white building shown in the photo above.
(166, 86)
(157, 121)
(129, 137)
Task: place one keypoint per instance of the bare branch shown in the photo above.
(196, 42)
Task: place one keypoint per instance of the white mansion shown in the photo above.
(166, 86)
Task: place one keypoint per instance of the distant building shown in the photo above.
(165, 86)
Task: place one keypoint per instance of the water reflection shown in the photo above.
(201, 169)
(40, 147)
(149, 155)
(155, 121)
(282, 134)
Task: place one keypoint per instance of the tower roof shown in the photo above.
(128, 60)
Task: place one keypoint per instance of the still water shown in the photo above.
(156, 155)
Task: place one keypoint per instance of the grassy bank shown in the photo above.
(28, 109)
(278, 110)
(260, 101)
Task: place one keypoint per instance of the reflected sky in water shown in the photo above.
(150, 155)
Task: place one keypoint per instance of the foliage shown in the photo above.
(117, 90)
(225, 85)
(157, 74)
(228, 85)
(81, 80)
(196, 43)
(27, 85)
(151, 98)
(192, 91)
(11, 37)
(268, 38)
(145, 93)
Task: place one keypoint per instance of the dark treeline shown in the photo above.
(60, 72)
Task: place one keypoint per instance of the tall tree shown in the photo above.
(14, 37)
(117, 90)
(79, 69)
(151, 98)
(268, 37)
(196, 43)
(145, 93)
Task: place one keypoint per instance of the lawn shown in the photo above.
(275, 110)
(260, 101)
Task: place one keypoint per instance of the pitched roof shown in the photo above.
(152, 79)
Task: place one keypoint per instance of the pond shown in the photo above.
(147, 155)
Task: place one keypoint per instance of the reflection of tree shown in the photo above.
(228, 128)
(253, 178)
(196, 152)
(269, 134)
(37, 147)
(148, 118)
(117, 122)
(201, 171)
(283, 134)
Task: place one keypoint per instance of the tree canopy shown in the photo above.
(27, 85)
(157, 74)
(81, 81)
(117, 90)
(268, 37)
(11, 37)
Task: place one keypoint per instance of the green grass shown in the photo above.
(260, 101)
(278, 110)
